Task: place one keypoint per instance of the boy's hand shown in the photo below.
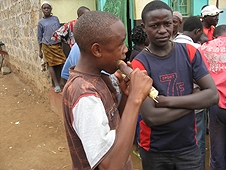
(41, 55)
(140, 84)
(123, 81)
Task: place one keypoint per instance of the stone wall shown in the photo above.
(18, 31)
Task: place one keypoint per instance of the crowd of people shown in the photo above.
(105, 111)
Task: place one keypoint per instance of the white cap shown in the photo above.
(46, 2)
(211, 10)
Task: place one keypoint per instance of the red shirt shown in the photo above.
(209, 32)
(213, 53)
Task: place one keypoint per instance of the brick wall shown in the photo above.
(18, 31)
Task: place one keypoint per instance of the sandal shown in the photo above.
(57, 89)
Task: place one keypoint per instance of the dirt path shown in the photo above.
(32, 137)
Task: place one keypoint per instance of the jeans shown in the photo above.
(188, 160)
(217, 128)
(201, 133)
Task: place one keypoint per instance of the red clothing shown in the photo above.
(214, 56)
(66, 32)
(209, 32)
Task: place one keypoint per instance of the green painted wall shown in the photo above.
(197, 6)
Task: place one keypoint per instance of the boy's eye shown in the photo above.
(46, 8)
(154, 26)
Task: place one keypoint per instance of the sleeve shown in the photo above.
(65, 70)
(198, 66)
(137, 64)
(40, 33)
(91, 125)
(61, 32)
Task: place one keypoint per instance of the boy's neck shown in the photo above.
(47, 16)
(161, 51)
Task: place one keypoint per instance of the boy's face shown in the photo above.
(176, 23)
(159, 26)
(46, 9)
(115, 49)
(212, 20)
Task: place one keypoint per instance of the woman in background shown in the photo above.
(49, 49)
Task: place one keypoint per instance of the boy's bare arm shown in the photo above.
(171, 108)
(154, 116)
(207, 97)
(40, 51)
(139, 88)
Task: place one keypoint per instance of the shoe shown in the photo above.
(57, 89)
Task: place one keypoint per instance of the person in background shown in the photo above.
(177, 21)
(140, 40)
(49, 49)
(96, 129)
(203, 39)
(168, 135)
(213, 54)
(210, 17)
(65, 32)
(71, 60)
(192, 32)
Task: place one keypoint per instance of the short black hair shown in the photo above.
(81, 10)
(219, 30)
(192, 22)
(94, 27)
(138, 36)
(153, 5)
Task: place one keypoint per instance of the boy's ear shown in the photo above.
(197, 31)
(142, 24)
(96, 50)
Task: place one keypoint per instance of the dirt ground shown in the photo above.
(32, 136)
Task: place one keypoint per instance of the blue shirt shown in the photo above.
(172, 75)
(72, 60)
(46, 28)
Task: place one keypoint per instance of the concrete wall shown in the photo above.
(66, 10)
(18, 30)
(138, 7)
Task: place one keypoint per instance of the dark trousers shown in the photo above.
(217, 138)
(188, 160)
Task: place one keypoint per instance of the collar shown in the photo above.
(183, 37)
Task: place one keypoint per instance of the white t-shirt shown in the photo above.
(93, 127)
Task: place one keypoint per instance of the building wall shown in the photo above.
(18, 28)
(138, 7)
(66, 10)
